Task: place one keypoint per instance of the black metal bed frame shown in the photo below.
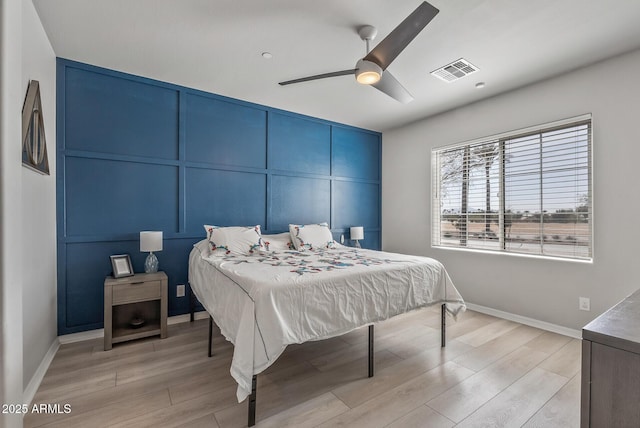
(254, 380)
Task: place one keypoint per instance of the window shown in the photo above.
(527, 191)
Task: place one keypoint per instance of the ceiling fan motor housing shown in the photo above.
(368, 72)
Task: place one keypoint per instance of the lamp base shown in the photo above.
(151, 263)
(357, 244)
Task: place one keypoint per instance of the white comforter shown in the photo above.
(264, 302)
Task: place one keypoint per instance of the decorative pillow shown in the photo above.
(237, 240)
(309, 236)
(203, 247)
(277, 242)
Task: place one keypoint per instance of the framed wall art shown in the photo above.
(34, 143)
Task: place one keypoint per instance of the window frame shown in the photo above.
(436, 209)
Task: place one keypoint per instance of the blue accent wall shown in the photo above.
(138, 154)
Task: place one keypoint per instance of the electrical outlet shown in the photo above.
(584, 303)
(180, 290)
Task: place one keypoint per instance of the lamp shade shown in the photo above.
(356, 232)
(150, 241)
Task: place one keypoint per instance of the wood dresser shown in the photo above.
(611, 367)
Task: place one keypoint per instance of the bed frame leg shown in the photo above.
(252, 402)
(371, 350)
(443, 325)
(192, 304)
(210, 334)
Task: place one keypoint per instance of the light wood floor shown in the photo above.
(493, 373)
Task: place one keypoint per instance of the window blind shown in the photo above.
(524, 192)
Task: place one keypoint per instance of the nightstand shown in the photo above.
(135, 307)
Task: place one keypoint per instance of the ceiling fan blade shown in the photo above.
(391, 46)
(390, 86)
(319, 76)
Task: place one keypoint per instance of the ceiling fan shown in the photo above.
(372, 69)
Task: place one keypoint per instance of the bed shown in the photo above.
(265, 300)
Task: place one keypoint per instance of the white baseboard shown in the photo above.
(36, 379)
(82, 336)
(543, 325)
(99, 333)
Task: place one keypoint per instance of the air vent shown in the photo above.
(454, 71)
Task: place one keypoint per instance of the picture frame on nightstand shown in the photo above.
(121, 265)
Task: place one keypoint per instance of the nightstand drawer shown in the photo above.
(126, 293)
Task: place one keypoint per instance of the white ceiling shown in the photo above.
(216, 46)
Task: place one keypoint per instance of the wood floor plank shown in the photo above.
(562, 411)
(129, 362)
(393, 325)
(57, 378)
(361, 390)
(493, 350)
(185, 336)
(566, 361)
(78, 348)
(422, 417)
(490, 331)
(83, 386)
(467, 322)
(287, 372)
(219, 384)
(133, 372)
(78, 360)
(465, 398)
(275, 396)
(207, 421)
(517, 403)
(141, 346)
(329, 361)
(222, 379)
(410, 343)
(114, 413)
(307, 414)
(175, 415)
(176, 377)
(298, 353)
(403, 342)
(548, 342)
(405, 398)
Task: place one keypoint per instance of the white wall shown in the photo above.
(10, 210)
(39, 204)
(545, 290)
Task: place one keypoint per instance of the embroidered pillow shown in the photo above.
(309, 236)
(277, 242)
(236, 240)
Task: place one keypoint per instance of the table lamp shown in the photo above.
(151, 241)
(357, 233)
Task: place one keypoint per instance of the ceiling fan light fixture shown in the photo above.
(367, 72)
(371, 69)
